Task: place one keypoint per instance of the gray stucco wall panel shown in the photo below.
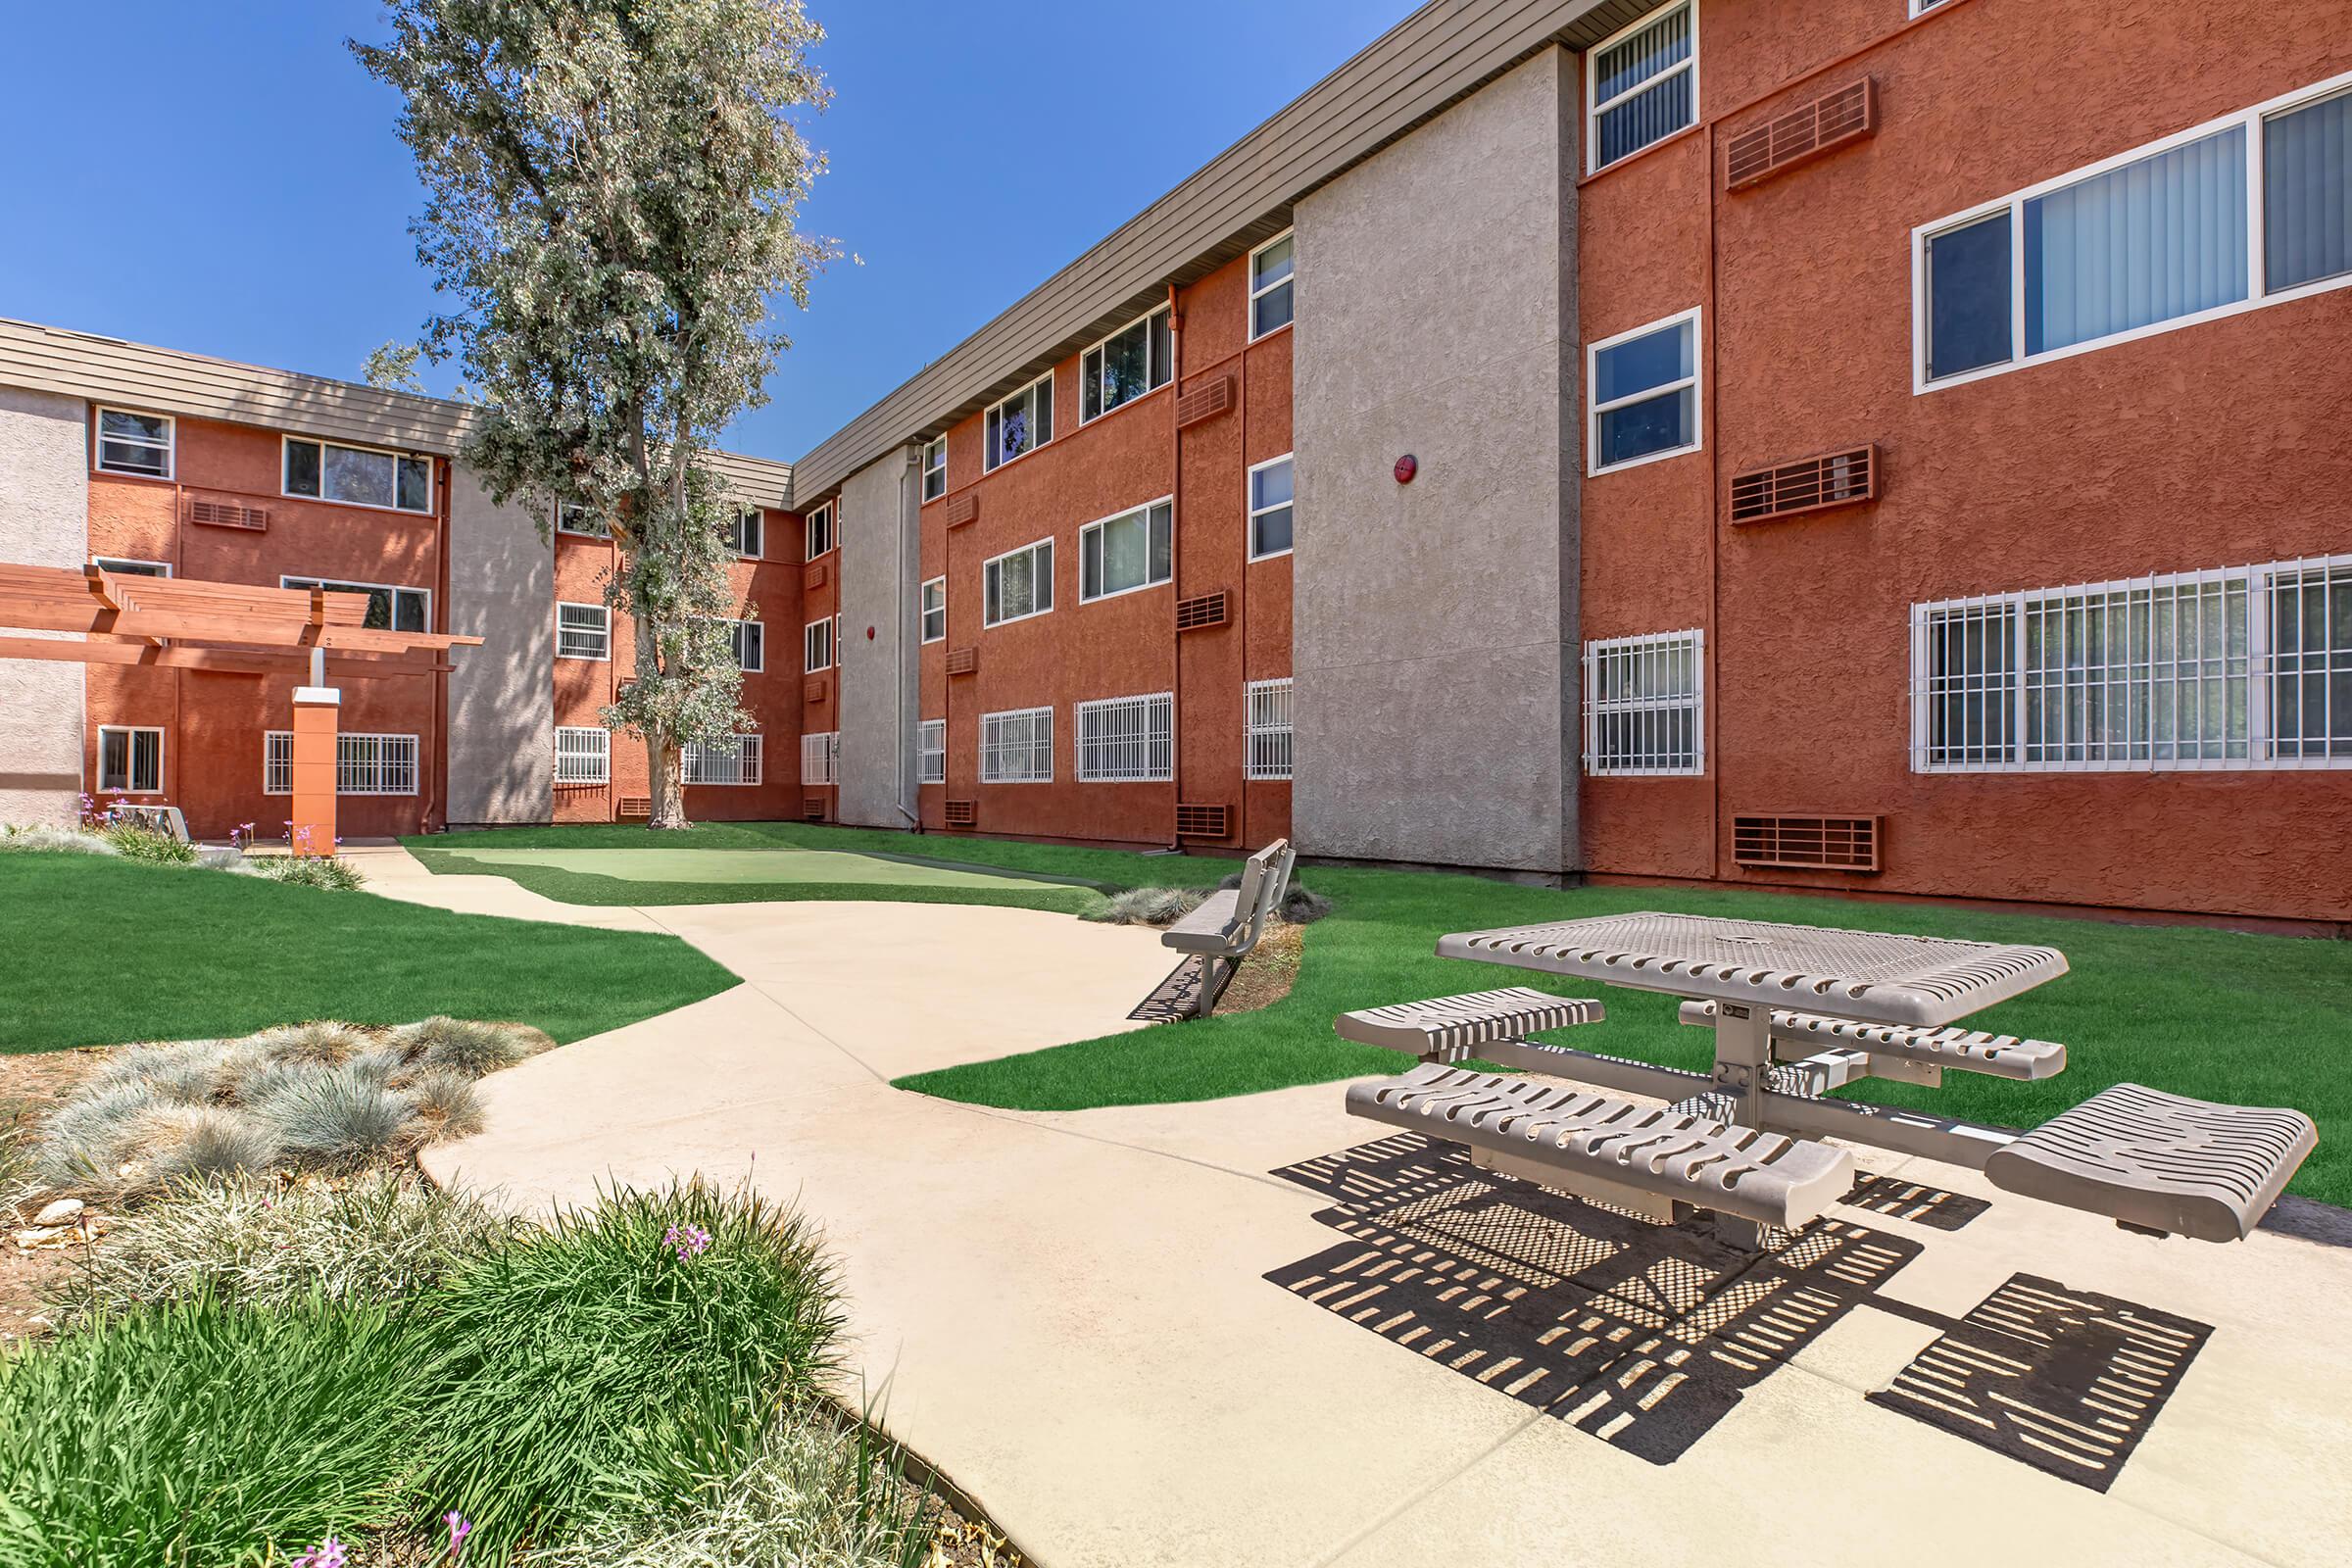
(1435, 635)
(44, 522)
(878, 568)
(502, 737)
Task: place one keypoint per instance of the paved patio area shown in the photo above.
(1186, 1335)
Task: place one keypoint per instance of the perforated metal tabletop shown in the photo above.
(1866, 975)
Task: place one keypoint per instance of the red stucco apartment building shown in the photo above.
(1891, 445)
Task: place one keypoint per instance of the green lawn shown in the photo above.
(100, 950)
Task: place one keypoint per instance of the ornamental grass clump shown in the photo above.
(199, 1141)
(339, 1117)
(135, 842)
(474, 1049)
(447, 1105)
(325, 1042)
(35, 837)
(1147, 907)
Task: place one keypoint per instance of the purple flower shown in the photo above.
(690, 1241)
(328, 1553)
(459, 1526)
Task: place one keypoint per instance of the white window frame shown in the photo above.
(1919, 8)
(1662, 643)
(749, 520)
(820, 757)
(814, 660)
(1254, 511)
(431, 495)
(990, 462)
(2258, 296)
(924, 610)
(749, 758)
(935, 467)
(278, 762)
(603, 529)
(1698, 402)
(931, 751)
(604, 630)
(1259, 763)
(170, 442)
(1259, 292)
(1032, 749)
(1100, 523)
(588, 764)
(2261, 741)
(1593, 111)
(1158, 376)
(735, 635)
(1111, 764)
(812, 532)
(295, 580)
(1052, 596)
(129, 785)
(163, 568)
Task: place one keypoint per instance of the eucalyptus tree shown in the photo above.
(611, 200)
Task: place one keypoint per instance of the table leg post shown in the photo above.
(1742, 1052)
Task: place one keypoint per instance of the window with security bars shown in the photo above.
(583, 631)
(1266, 714)
(1017, 747)
(365, 764)
(931, 751)
(820, 757)
(1127, 740)
(1644, 704)
(735, 760)
(584, 754)
(2247, 666)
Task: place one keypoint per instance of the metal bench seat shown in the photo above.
(1962, 1050)
(1449, 1028)
(1583, 1138)
(1224, 928)
(1210, 927)
(2160, 1162)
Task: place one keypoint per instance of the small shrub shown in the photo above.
(136, 843)
(447, 1105)
(328, 871)
(1300, 904)
(35, 837)
(1147, 907)
(338, 1117)
(472, 1049)
(324, 1043)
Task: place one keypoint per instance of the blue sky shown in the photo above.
(225, 178)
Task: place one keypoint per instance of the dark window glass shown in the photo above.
(302, 467)
(1968, 297)
(2307, 193)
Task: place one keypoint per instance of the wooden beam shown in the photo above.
(234, 661)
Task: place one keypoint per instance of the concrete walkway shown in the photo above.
(1070, 1313)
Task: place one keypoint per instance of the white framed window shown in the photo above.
(130, 760)
(816, 646)
(389, 608)
(583, 631)
(735, 760)
(748, 639)
(584, 754)
(123, 566)
(1643, 388)
(2238, 668)
(1131, 551)
(931, 751)
(935, 467)
(1645, 707)
(1270, 268)
(135, 443)
(1126, 740)
(746, 532)
(1919, 8)
(1017, 584)
(817, 527)
(586, 521)
(2226, 217)
(1642, 84)
(1266, 728)
(1018, 425)
(1270, 507)
(935, 610)
(1017, 747)
(820, 757)
(357, 476)
(365, 764)
(1135, 360)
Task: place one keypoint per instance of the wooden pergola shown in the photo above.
(184, 623)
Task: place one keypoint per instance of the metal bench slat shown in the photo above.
(1207, 928)
(1451, 1026)
(1964, 1050)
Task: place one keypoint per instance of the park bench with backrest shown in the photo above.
(164, 819)
(1226, 925)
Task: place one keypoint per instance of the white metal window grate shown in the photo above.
(820, 757)
(1266, 711)
(1017, 747)
(723, 762)
(583, 631)
(1644, 704)
(584, 754)
(1127, 740)
(931, 751)
(2247, 666)
(365, 764)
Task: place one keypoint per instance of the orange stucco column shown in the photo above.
(316, 709)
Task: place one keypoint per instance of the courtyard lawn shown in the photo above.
(102, 951)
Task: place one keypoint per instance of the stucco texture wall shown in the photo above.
(877, 673)
(501, 725)
(1434, 622)
(44, 522)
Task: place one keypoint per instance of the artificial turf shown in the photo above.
(102, 951)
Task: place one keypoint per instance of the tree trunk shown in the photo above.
(665, 768)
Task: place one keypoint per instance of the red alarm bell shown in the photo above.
(1406, 466)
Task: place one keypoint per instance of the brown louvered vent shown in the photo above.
(635, 808)
(964, 508)
(963, 660)
(963, 813)
(1200, 611)
(1807, 843)
(1811, 484)
(816, 689)
(816, 576)
(1205, 402)
(813, 808)
(1194, 820)
(1807, 132)
(216, 511)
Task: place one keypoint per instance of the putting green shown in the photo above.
(752, 865)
